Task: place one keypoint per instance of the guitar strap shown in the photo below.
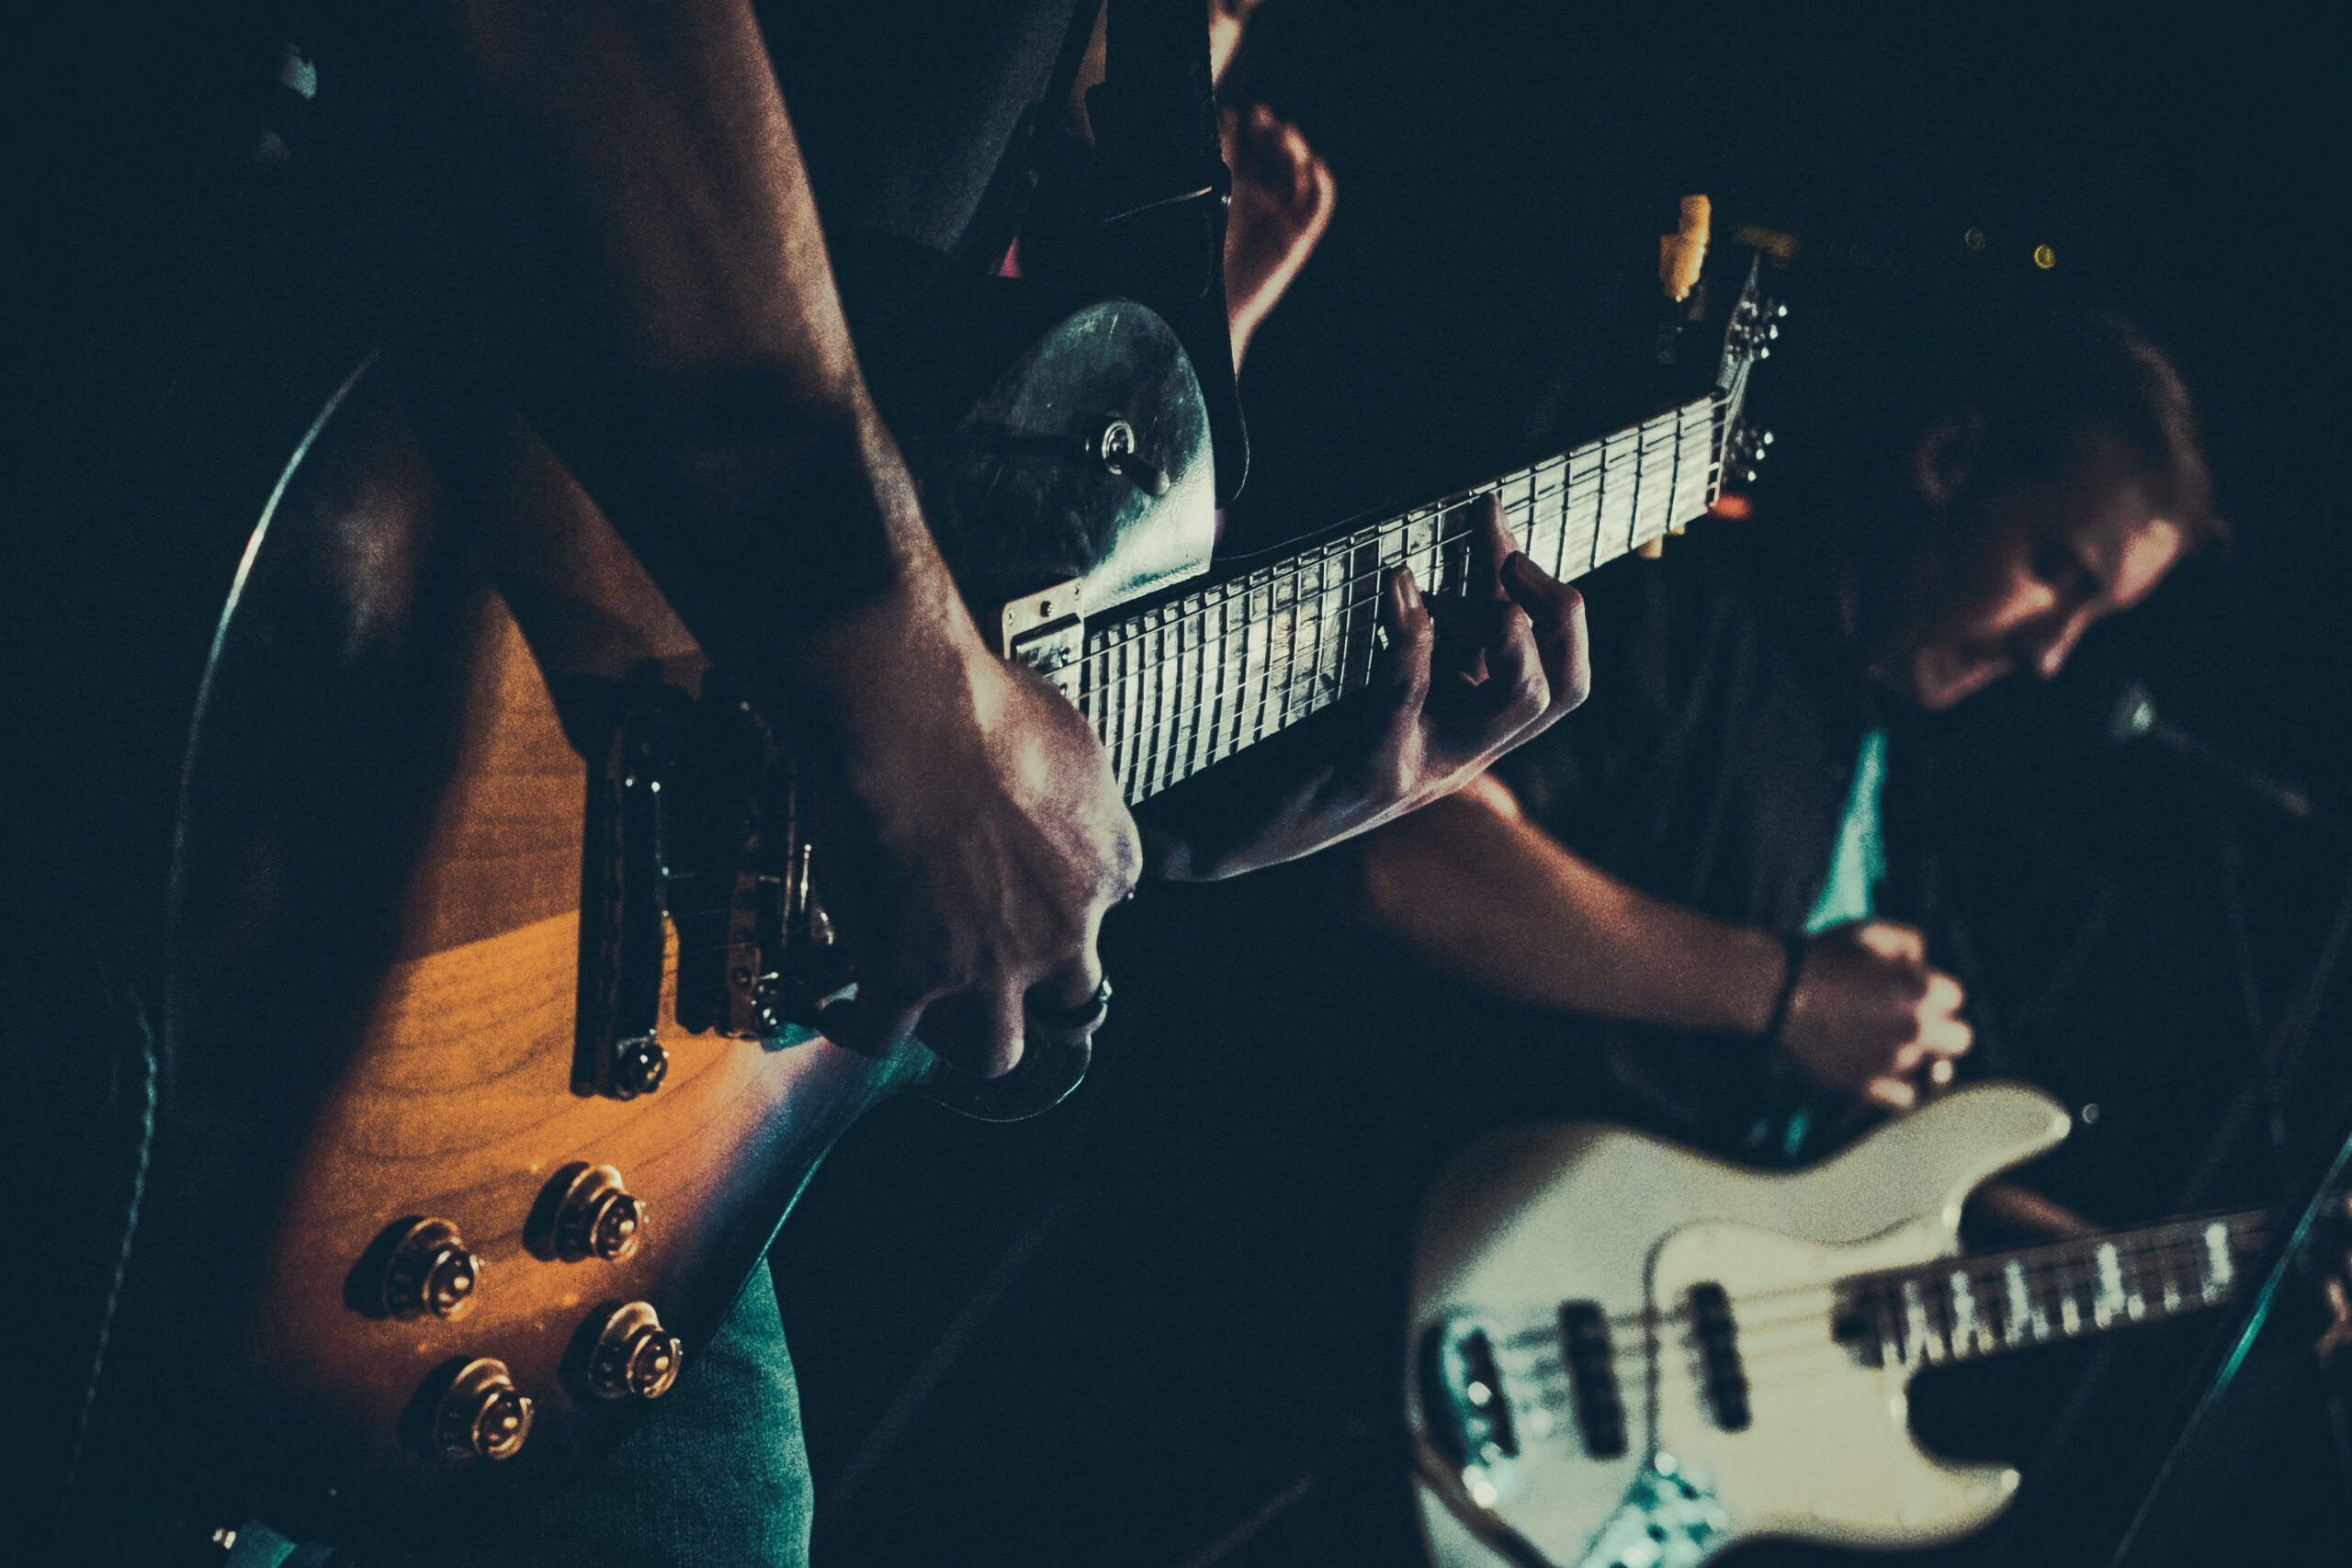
(1160, 189)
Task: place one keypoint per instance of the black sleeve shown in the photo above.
(1572, 779)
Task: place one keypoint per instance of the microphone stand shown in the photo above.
(2162, 1523)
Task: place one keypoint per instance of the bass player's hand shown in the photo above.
(1868, 1013)
(1465, 677)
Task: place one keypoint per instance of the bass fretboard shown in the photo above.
(1187, 682)
(1962, 1307)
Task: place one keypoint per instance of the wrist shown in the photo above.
(1776, 1018)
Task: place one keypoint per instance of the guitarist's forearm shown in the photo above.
(1489, 898)
(670, 317)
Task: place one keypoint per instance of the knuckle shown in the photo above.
(1575, 686)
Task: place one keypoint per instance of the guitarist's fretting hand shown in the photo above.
(1868, 1013)
(1464, 678)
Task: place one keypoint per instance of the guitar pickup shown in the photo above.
(1591, 1361)
(1466, 1407)
(1046, 631)
(1724, 1377)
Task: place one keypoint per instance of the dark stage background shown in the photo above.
(1114, 1334)
(1119, 1334)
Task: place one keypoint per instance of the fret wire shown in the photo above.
(1258, 696)
(1639, 462)
(1146, 719)
(1155, 758)
(1155, 690)
(1180, 742)
(1170, 694)
(2246, 1233)
(2063, 1276)
(1374, 576)
(1214, 696)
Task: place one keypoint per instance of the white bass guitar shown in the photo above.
(1627, 1355)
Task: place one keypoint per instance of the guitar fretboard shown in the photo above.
(1187, 682)
(1958, 1308)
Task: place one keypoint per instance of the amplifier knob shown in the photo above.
(634, 1356)
(429, 1270)
(594, 1215)
(483, 1415)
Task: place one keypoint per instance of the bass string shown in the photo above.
(1770, 1363)
(2177, 1242)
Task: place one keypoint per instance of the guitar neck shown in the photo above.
(1189, 681)
(1960, 1308)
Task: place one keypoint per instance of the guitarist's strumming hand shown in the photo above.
(1868, 1013)
(1464, 677)
(971, 830)
(667, 315)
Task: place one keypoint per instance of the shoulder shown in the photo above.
(1678, 646)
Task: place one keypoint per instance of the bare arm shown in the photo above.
(665, 311)
(1484, 894)
(1487, 896)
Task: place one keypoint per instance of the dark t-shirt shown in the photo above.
(1710, 767)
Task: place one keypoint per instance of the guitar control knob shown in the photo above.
(483, 1416)
(429, 1270)
(593, 1215)
(638, 1066)
(634, 1356)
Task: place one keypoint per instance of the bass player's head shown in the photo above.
(2038, 473)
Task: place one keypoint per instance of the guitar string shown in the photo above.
(1270, 700)
(1265, 697)
(1639, 509)
(1258, 690)
(1119, 637)
(1264, 692)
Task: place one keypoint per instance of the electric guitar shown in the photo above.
(1626, 1355)
(496, 942)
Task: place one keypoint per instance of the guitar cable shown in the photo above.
(130, 1019)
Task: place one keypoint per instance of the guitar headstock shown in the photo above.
(1749, 335)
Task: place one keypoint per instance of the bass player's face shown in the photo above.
(2019, 574)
